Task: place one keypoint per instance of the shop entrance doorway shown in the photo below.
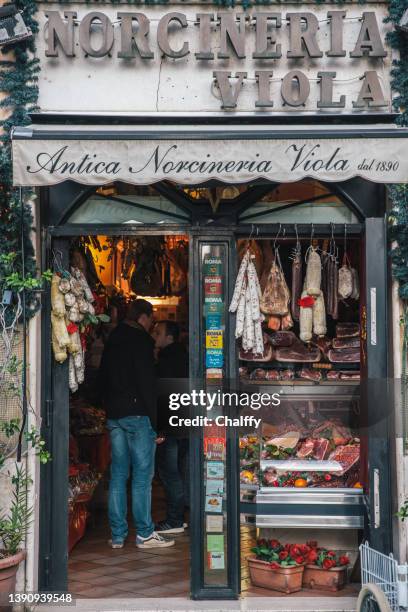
(213, 220)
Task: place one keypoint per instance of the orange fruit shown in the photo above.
(300, 482)
(357, 485)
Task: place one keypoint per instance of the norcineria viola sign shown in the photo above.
(95, 162)
(188, 57)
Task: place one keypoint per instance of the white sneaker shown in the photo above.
(153, 541)
(116, 544)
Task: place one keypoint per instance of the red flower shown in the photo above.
(344, 560)
(274, 543)
(287, 547)
(262, 542)
(327, 477)
(275, 565)
(304, 549)
(275, 483)
(299, 560)
(312, 556)
(328, 563)
(306, 302)
(312, 544)
(283, 555)
(72, 328)
(331, 553)
(294, 551)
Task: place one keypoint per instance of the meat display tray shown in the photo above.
(301, 465)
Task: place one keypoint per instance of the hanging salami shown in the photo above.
(296, 281)
(313, 278)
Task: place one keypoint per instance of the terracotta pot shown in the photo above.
(8, 571)
(332, 579)
(284, 579)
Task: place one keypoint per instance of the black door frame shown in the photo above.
(54, 485)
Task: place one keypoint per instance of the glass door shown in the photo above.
(214, 474)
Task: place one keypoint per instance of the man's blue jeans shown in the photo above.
(172, 463)
(133, 442)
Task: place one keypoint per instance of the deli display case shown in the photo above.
(305, 465)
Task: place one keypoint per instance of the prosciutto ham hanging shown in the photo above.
(245, 302)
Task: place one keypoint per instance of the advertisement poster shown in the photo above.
(214, 358)
(215, 469)
(214, 523)
(214, 339)
(213, 285)
(214, 487)
(213, 321)
(215, 543)
(213, 503)
(213, 305)
(216, 560)
(212, 266)
(215, 450)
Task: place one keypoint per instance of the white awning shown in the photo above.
(192, 154)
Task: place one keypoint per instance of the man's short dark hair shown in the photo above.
(171, 329)
(137, 308)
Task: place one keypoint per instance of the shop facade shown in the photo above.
(266, 130)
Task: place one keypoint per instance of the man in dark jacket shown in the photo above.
(127, 386)
(172, 453)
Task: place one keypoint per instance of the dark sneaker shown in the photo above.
(153, 541)
(165, 527)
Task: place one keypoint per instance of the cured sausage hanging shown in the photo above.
(316, 301)
(245, 302)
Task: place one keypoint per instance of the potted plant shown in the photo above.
(325, 569)
(13, 529)
(17, 290)
(15, 521)
(276, 566)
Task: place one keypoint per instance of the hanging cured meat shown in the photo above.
(267, 263)
(306, 317)
(355, 294)
(286, 322)
(274, 322)
(296, 282)
(319, 316)
(333, 279)
(146, 276)
(245, 302)
(256, 251)
(313, 278)
(345, 284)
(275, 298)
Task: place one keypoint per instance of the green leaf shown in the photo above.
(104, 318)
